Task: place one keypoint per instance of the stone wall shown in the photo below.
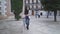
(8, 10)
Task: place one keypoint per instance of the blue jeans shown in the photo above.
(27, 22)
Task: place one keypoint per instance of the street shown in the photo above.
(37, 26)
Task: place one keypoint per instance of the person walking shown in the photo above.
(36, 14)
(27, 21)
(41, 14)
(26, 11)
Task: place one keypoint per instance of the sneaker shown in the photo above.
(27, 28)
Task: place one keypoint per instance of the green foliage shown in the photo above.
(51, 4)
(16, 5)
(17, 17)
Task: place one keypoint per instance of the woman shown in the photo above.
(27, 19)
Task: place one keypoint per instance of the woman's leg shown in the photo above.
(27, 24)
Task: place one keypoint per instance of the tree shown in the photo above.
(16, 7)
(51, 5)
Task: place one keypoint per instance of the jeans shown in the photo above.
(27, 23)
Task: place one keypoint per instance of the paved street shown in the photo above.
(37, 26)
(43, 26)
(10, 26)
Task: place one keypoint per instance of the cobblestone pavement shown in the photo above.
(37, 26)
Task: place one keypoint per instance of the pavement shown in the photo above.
(40, 25)
(11, 26)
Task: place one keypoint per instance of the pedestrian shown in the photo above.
(38, 16)
(27, 21)
(26, 11)
(41, 13)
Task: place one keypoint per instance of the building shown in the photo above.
(5, 9)
(33, 5)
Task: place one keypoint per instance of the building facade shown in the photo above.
(33, 5)
(5, 9)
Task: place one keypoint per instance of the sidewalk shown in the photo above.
(43, 26)
(10, 26)
(37, 26)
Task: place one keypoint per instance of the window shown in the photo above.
(32, 1)
(0, 13)
(28, 1)
(0, 8)
(34, 6)
(30, 7)
(36, 1)
(0, 2)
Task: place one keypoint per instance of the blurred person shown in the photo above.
(27, 19)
